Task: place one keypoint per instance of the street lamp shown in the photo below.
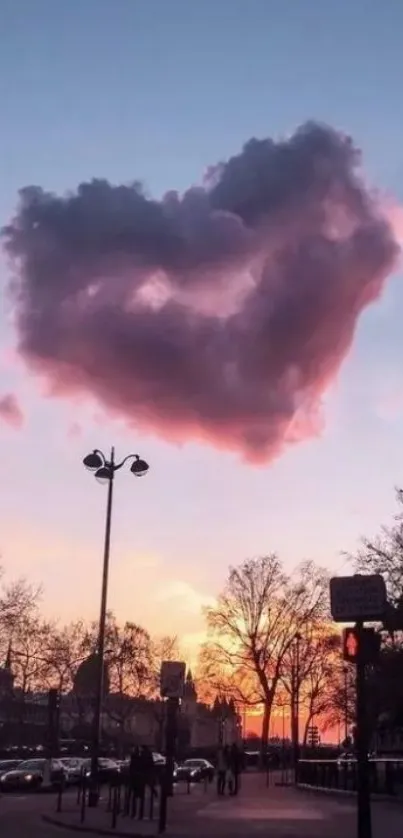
(104, 471)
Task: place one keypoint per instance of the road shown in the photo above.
(273, 813)
(20, 817)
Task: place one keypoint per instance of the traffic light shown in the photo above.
(351, 645)
(361, 645)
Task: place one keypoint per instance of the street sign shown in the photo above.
(357, 598)
(172, 679)
(313, 736)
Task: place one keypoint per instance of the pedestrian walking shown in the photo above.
(134, 783)
(148, 768)
(235, 768)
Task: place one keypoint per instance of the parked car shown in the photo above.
(349, 759)
(9, 764)
(73, 767)
(252, 759)
(159, 766)
(34, 775)
(159, 762)
(108, 769)
(194, 770)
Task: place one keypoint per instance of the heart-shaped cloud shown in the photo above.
(221, 314)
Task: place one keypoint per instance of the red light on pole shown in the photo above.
(350, 645)
(362, 643)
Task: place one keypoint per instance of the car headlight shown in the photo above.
(29, 777)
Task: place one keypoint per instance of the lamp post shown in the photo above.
(104, 470)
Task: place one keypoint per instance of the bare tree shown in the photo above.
(341, 709)
(307, 673)
(30, 662)
(129, 656)
(129, 659)
(384, 555)
(165, 648)
(255, 622)
(18, 600)
(316, 690)
(66, 649)
(312, 681)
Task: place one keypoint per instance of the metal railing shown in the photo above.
(124, 797)
(386, 775)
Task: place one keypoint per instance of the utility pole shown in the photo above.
(360, 599)
(172, 705)
(364, 823)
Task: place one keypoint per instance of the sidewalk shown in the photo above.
(182, 809)
(274, 812)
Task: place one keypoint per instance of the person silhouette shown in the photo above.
(235, 767)
(221, 771)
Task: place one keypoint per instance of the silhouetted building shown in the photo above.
(125, 720)
(86, 678)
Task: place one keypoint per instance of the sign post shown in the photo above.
(53, 722)
(359, 599)
(364, 824)
(313, 736)
(172, 679)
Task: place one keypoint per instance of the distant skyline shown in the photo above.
(159, 92)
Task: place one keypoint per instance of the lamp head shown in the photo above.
(93, 461)
(103, 474)
(139, 467)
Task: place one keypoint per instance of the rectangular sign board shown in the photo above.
(172, 679)
(357, 598)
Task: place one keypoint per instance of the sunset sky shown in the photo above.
(159, 91)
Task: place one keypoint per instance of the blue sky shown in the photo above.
(157, 91)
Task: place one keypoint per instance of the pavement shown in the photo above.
(274, 812)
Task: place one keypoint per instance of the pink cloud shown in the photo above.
(10, 411)
(74, 430)
(99, 418)
(222, 314)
